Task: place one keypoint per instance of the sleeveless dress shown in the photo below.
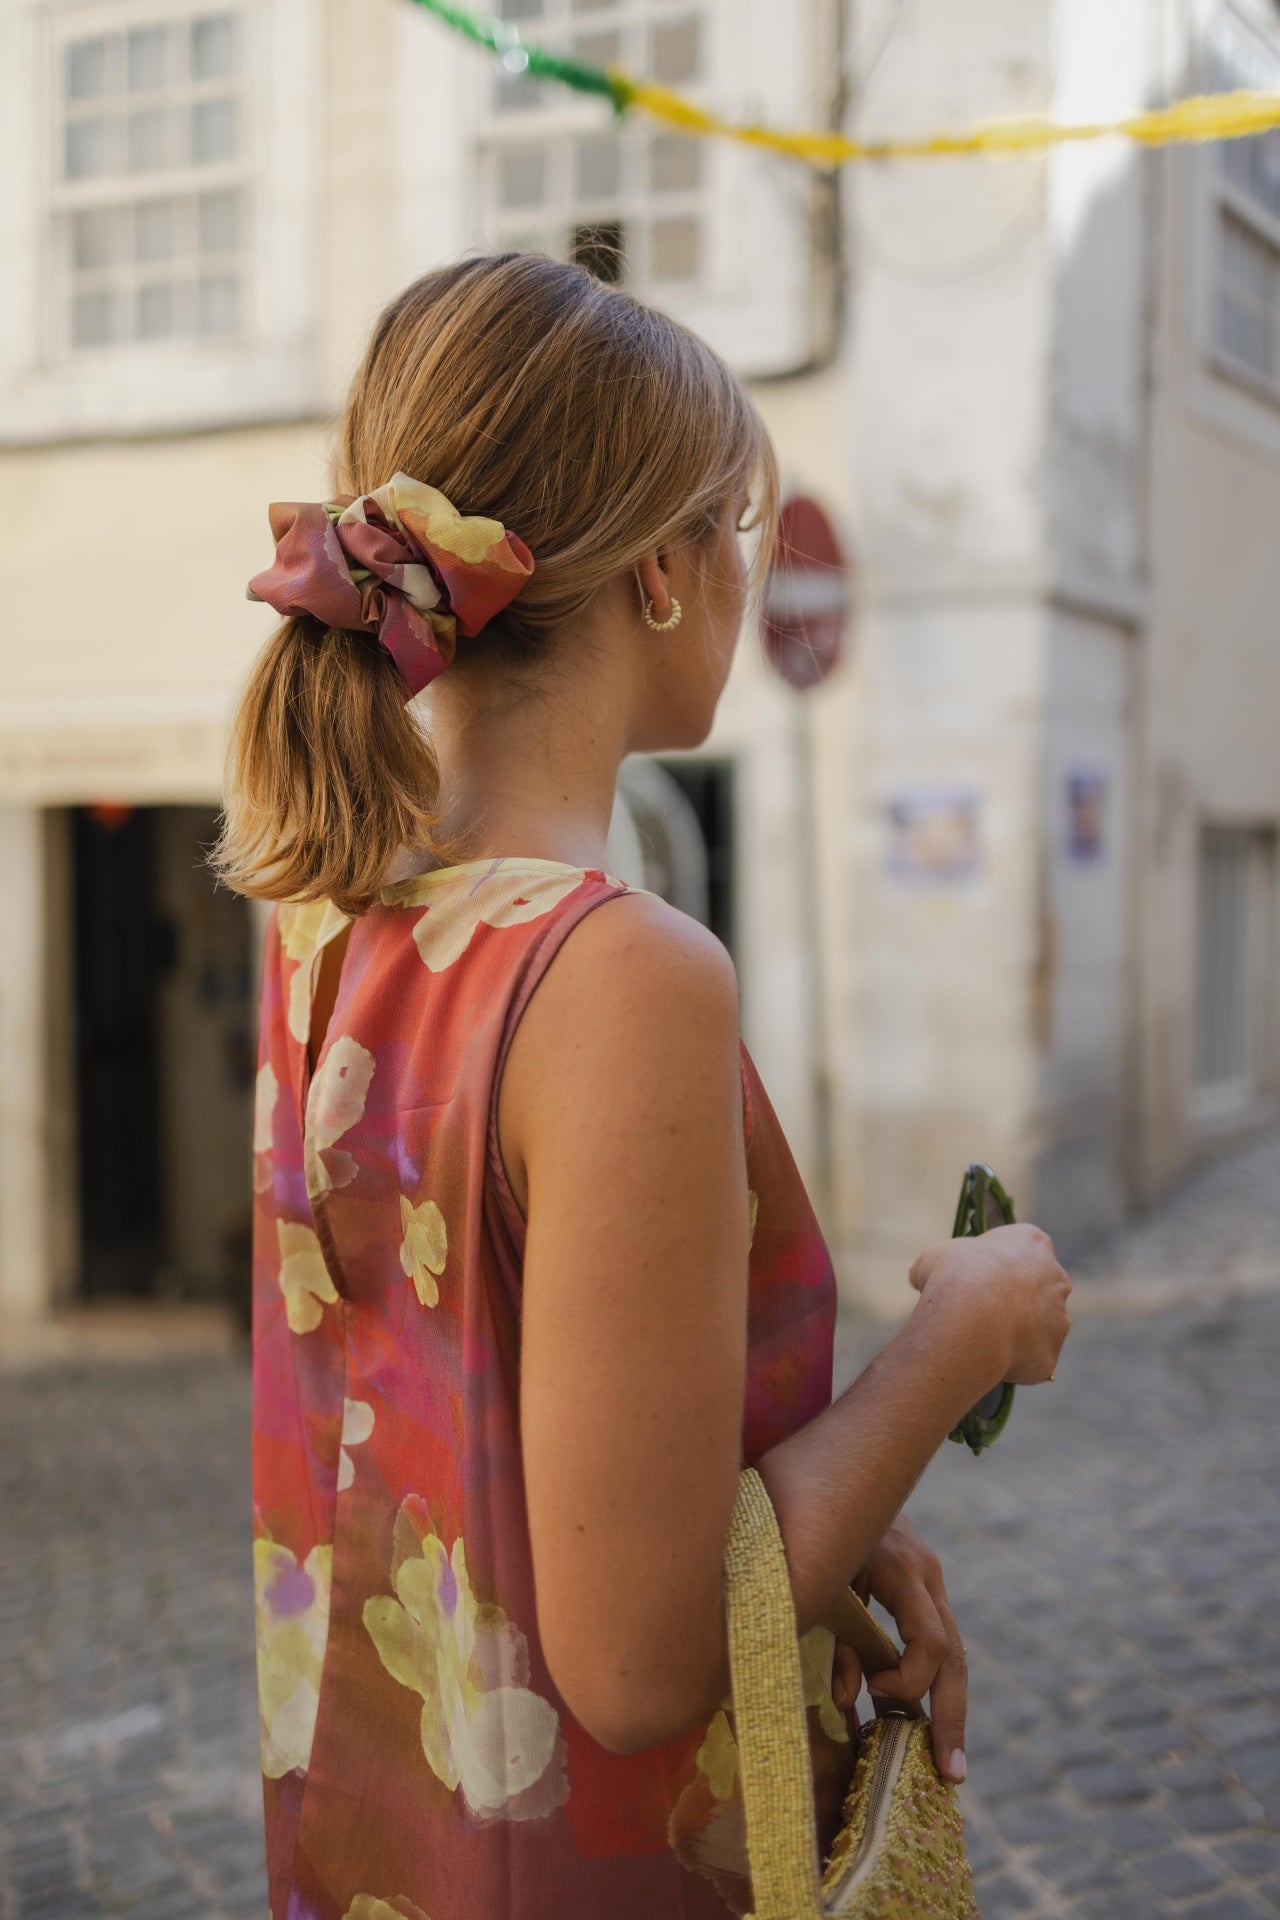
(418, 1762)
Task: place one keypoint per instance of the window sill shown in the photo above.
(1243, 379)
(128, 394)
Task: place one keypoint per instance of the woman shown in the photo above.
(535, 1271)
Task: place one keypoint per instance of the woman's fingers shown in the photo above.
(949, 1701)
(933, 1663)
(846, 1677)
(906, 1575)
(924, 1648)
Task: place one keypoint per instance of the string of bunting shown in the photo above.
(1213, 116)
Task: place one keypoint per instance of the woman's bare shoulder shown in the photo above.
(641, 936)
(635, 968)
(639, 1002)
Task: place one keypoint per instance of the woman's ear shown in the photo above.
(654, 585)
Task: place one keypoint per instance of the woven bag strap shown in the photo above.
(769, 1715)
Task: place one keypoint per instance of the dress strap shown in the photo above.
(536, 961)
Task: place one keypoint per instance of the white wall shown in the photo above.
(1211, 715)
(1082, 1029)
(951, 332)
(819, 745)
(27, 1247)
(1096, 498)
(127, 647)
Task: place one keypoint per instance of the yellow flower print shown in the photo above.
(357, 1425)
(717, 1757)
(334, 1104)
(304, 1277)
(483, 1729)
(304, 927)
(424, 1248)
(817, 1650)
(266, 1093)
(367, 1906)
(505, 897)
(291, 1614)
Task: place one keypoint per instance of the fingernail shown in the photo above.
(958, 1768)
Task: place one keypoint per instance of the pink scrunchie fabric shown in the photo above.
(400, 562)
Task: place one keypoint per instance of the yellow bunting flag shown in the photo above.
(1209, 116)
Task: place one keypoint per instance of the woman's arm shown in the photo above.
(620, 1120)
(839, 1483)
(990, 1309)
(621, 1123)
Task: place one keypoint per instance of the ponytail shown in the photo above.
(329, 773)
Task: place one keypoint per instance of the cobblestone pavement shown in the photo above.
(128, 1725)
(1113, 1563)
(1218, 1234)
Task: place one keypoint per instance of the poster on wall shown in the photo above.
(934, 835)
(1086, 817)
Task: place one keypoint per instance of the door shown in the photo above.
(119, 959)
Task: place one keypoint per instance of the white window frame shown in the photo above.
(1216, 1101)
(557, 117)
(1232, 202)
(1244, 50)
(271, 369)
(753, 299)
(121, 189)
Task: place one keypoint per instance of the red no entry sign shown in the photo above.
(809, 596)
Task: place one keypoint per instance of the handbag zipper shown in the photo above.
(884, 1777)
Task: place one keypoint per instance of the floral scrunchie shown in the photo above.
(400, 562)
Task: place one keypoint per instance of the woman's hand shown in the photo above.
(1014, 1273)
(905, 1576)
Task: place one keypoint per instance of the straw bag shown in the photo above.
(900, 1850)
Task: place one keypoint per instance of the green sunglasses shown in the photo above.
(983, 1203)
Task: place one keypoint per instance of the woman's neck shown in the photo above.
(534, 776)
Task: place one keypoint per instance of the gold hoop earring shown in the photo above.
(663, 626)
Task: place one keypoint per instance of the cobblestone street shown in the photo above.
(1113, 1563)
(1115, 1578)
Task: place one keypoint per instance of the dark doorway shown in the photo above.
(165, 1033)
(708, 786)
(119, 960)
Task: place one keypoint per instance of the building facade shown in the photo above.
(1003, 886)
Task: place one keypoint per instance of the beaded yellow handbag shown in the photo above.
(900, 1849)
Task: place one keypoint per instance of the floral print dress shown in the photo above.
(418, 1762)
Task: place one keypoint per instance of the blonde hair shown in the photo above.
(526, 390)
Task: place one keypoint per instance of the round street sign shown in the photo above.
(809, 595)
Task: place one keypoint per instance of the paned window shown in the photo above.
(1246, 309)
(150, 198)
(1234, 963)
(628, 201)
(1244, 175)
